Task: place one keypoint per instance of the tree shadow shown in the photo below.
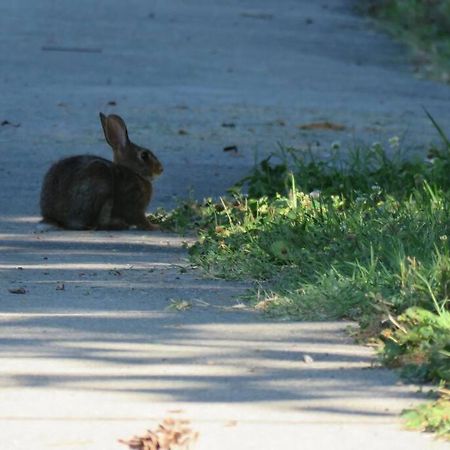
(125, 313)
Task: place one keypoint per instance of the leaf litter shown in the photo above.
(171, 434)
(326, 125)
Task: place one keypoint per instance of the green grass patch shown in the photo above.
(433, 416)
(362, 237)
(425, 25)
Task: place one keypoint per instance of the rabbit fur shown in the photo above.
(90, 192)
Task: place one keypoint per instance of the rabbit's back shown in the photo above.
(76, 191)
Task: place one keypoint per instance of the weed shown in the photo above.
(363, 238)
(419, 343)
(425, 25)
(179, 305)
(433, 416)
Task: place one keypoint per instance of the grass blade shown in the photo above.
(438, 128)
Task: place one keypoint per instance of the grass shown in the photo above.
(424, 25)
(364, 238)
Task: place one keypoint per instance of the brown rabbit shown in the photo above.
(90, 192)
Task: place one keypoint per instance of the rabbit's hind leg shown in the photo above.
(91, 198)
(106, 221)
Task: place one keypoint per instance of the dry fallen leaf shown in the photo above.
(231, 148)
(171, 434)
(20, 290)
(56, 48)
(8, 123)
(329, 126)
(231, 423)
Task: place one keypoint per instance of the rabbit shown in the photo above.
(89, 192)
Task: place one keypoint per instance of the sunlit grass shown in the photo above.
(365, 237)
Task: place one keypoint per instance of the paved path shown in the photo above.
(95, 349)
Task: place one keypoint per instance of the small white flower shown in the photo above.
(394, 142)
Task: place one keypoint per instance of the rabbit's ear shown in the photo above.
(115, 131)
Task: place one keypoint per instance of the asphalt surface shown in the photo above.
(115, 331)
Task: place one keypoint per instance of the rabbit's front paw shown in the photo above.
(145, 224)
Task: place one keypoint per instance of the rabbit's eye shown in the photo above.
(145, 156)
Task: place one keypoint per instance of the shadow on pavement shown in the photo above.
(124, 313)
